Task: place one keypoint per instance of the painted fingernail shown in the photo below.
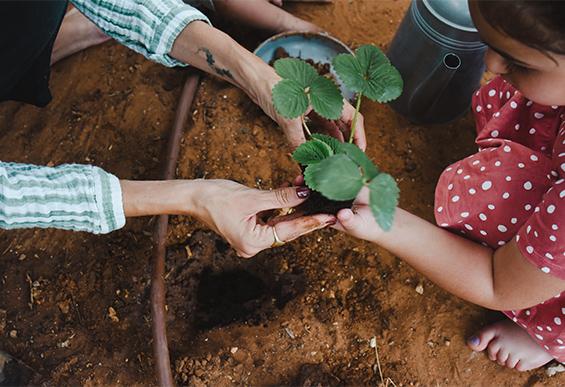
(474, 341)
(302, 192)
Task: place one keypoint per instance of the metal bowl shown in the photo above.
(319, 47)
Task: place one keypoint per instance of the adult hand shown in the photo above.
(234, 211)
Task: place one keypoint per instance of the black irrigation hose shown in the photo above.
(158, 301)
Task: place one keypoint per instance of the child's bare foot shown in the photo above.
(510, 346)
(77, 33)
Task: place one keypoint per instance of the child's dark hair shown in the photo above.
(538, 24)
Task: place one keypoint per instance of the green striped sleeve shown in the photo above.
(149, 27)
(72, 197)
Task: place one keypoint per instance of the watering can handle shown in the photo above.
(428, 93)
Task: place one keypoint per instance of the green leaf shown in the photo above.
(370, 73)
(349, 71)
(383, 199)
(326, 98)
(312, 152)
(370, 170)
(297, 70)
(332, 142)
(337, 178)
(289, 99)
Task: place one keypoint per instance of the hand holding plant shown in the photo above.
(340, 170)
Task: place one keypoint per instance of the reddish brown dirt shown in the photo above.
(301, 314)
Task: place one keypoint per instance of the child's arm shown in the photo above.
(499, 279)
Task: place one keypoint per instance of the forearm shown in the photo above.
(458, 265)
(171, 197)
(215, 52)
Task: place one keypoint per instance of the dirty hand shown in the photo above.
(233, 211)
(358, 221)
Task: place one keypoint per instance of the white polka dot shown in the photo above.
(450, 187)
(517, 127)
(491, 207)
(497, 163)
(455, 199)
(548, 256)
(532, 130)
(475, 162)
(550, 209)
(527, 185)
(472, 191)
(440, 209)
(494, 133)
(483, 232)
(502, 228)
(501, 243)
(559, 341)
(562, 194)
(506, 148)
(539, 328)
(479, 108)
(466, 177)
(489, 106)
(553, 238)
(538, 115)
(492, 92)
(534, 158)
(539, 337)
(545, 269)
(464, 214)
(459, 171)
(517, 238)
(486, 185)
(513, 105)
(563, 166)
(528, 229)
(521, 165)
(554, 227)
(482, 217)
(508, 178)
(529, 249)
(529, 103)
(505, 195)
(528, 207)
(468, 227)
(536, 234)
(497, 114)
(482, 169)
(513, 220)
(444, 225)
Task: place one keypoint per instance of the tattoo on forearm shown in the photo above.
(212, 63)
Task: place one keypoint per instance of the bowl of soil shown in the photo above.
(317, 49)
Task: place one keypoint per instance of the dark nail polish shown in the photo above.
(302, 192)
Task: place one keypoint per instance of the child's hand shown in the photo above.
(358, 221)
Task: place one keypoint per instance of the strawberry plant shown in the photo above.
(340, 170)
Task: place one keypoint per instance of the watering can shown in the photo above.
(439, 54)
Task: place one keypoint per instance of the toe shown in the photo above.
(481, 340)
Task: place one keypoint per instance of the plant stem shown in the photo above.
(354, 122)
(306, 127)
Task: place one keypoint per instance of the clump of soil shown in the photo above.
(322, 68)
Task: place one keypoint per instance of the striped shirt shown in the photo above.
(83, 197)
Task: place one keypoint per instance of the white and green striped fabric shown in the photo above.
(149, 27)
(71, 196)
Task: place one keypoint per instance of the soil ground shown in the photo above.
(301, 314)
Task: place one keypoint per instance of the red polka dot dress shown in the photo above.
(514, 187)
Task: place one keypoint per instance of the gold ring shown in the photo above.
(277, 241)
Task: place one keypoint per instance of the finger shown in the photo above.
(294, 132)
(288, 231)
(298, 180)
(359, 136)
(347, 220)
(278, 3)
(283, 197)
